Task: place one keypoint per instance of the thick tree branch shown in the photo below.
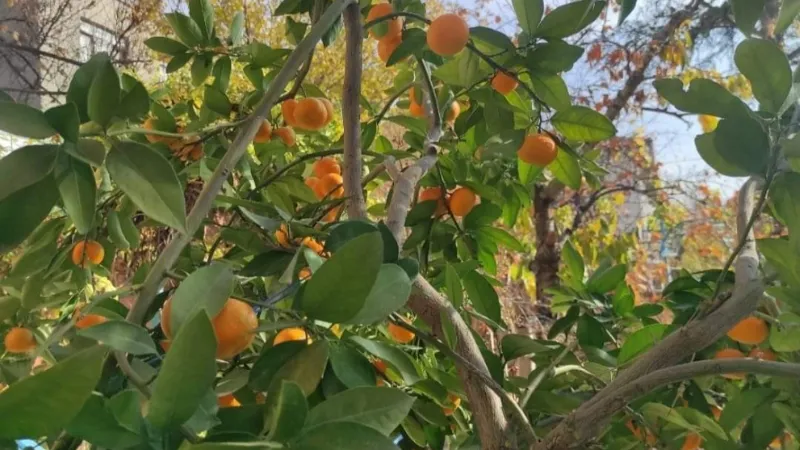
(693, 337)
(351, 113)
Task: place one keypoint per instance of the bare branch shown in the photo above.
(351, 113)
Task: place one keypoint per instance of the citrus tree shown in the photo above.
(343, 300)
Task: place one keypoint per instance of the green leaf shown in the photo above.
(742, 406)
(201, 69)
(114, 225)
(786, 336)
(202, 13)
(453, 286)
(623, 301)
(339, 289)
(658, 413)
(267, 264)
(551, 89)
(464, 70)
(351, 367)
(641, 340)
(217, 101)
(529, 14)
(185, 28)
(186, 374)
(305, 368)
(222, 73)
(566, 169)
(270, 362)
(606, 279)
(626, 9)
(237, 29)
(177, 62)
(135, 103)
(78, 91)
(42, 404)
(287, 412)
(25, 166)
(492, 37)
(590, 332)
(166, 45)
(713, 157)
(767, 68)
(379, 408)
(66, 120)
(389, 293)
(395, 357)
(482, 215)
(78, 192)
(24, 210)
(207, 288)
(482, 295)
(89, 151)
(150, 182)
(789, 11)
(22, 120)
(743, 143)
(579, 123)
(789, 416)
(703, 97)
(574, 263)
(553, 57)
(781, 254)
(516, 345)
(784, 196)
(703, 421)
(342, 436)
(104, 95)
(95, 423)
(122, 336)
(502, 237)
(569, 19)
(746, 13)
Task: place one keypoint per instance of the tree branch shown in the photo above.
(351, 113)
(582, 423)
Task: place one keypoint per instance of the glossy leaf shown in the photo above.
(786, 336)
(516, 345)
(379, 408)
(641, 340)
(25, 166)
(20, 119)
(342, 436)
(165, 45)
(186, 374)
(389, 293)
(579, 123)
(569, 19)
(743, 142)
(605, 279)
(122, 336)
(202, 12)
(42, 404)
(185, 28)
(529, 14)
(714, 158)
(287, 411)
(767, 68)
(395, 357)
(788, 12)
(626, 9)
(207, 288)
(351, 367)
(551, 89)
(66, 120)
(305, 368)
(24, 210)
(270, 362)
(566, 169)
(78, 191)
(703, 97)
(746, 13)
(482, 295)
(104, 95)
(149, 181)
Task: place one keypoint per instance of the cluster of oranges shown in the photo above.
(750, 331)
(234, 327)
(327, 182)
(87, 252)
(265, 133)
(308, 113)
(183, 148)
(416, 109)
(460, 201)
(447, 35)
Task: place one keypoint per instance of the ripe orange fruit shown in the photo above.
(286, 135)
(454, 402)
(310, 114)
(399, 333)
(648, 437)
(331, 185)
(452, 112)
(282, 236)
(387, 28)
(312, 244)
(387, 46)
(228, 401)
(779, 441)
(332, 214)
(233, 326)
(730, 353)
(264, 133)
(89, 320)
(287, 109)
(751, 331)
(692, 442)
(88, 251)
(461, 201)
(290, 334)
(328, 110)
(763, 353)
(503, 83)
(150, 124)
(379, 365)
(416, 109)
(304, 273)
(19, 340)
(448, 34)
(434, 194)
(312, 182)
(538, 149)
(325, 166)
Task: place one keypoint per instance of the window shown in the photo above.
(94, 39)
